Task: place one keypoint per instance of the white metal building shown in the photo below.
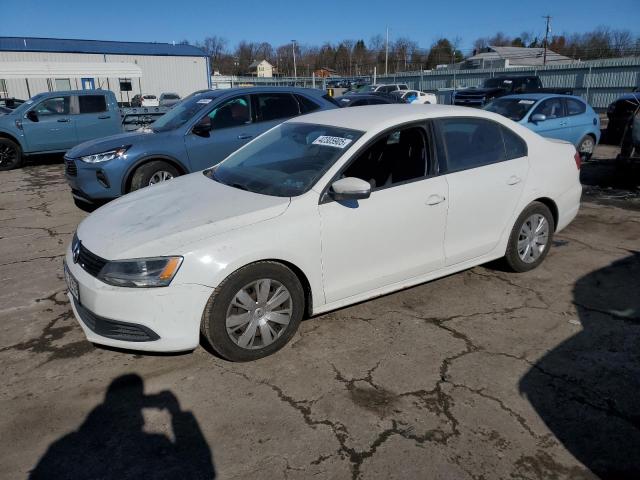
(33, 65)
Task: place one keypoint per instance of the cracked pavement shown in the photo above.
(480, 375)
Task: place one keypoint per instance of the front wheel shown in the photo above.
(530, 238)
(254, 312)
(153, 173)
(10, 155)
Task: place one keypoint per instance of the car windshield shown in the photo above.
(180, 114)
(513, 108)
(286, 161)
(496, 83)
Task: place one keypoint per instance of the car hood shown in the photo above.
(164, 219)
(112, 142)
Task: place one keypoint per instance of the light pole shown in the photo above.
(295, 70)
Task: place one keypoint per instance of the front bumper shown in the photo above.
(164, 319)
(93, 183)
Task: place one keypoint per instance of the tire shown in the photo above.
(587, 143)
(150, 173)
(531, 260)
(223, 305)
(10, 155)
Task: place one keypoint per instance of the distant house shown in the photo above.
(505, 57)
(261, 68)
(325, 72)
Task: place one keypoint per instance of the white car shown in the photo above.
(149, 101)
(416, 96)
(323, 211)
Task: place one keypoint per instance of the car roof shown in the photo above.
(380, 117)
(237, 90)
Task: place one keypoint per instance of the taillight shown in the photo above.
(578, 159)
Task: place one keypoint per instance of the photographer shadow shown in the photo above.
(587, 389)
(111, 443)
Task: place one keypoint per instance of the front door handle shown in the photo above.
(513, 180)
(244, 136)
(435, 199)
(63, 120)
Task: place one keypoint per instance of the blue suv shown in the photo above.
(195, 134)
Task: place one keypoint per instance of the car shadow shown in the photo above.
(112, 444)
(587, 389)
(44, 159)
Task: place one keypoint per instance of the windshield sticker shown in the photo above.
(507, 81)
(527, 102)
(328, 141)
(204, 100)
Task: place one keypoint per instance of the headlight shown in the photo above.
(141, 272)
(104, 156)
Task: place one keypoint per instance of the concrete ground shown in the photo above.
(480, 375)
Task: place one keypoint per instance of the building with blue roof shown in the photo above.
(30, 65)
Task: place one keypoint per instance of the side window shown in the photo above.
(231, 113)
(92, 103)
(53, 106)
(306, 105)
(272, 106)
(514, 146)
(397, 156)
(575, 107)
(551, 108)
(471, 142)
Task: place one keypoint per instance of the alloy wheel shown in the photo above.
(533, 238)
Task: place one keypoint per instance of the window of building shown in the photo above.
(62, 84)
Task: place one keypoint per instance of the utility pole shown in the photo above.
(546, 38)
(295, 70)
(386, 54)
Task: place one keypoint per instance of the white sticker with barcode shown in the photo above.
(527, 102)
(328, 141)
(204, 100)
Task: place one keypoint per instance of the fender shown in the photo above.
(12, 136)
(127, 176)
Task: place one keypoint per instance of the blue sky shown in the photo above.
(308, 22)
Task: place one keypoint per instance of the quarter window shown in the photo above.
(471, 142)
(514, 146)
(273, 106)
(575, 107)
(551, 108)
(92, 103)
(398, 156)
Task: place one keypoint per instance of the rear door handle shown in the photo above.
(63, 120)
(435, 199)
(102, 117)
(244, 136)
(513, 180)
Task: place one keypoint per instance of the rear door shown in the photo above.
(53, 126)
(579, 121)
(93, 118)
(486, 169)
(271, 109)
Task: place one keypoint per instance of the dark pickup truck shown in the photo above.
(500, 86)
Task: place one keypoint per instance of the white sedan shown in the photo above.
(323, 211)
(416, 96)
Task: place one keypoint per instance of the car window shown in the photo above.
(53, 106)
(92, 103)
(471, 142)
(272, 106)
(149, 97)
(551, 108)
(575, 107)
(515, 147)
(512, 108)
(396, 157)
(230, 113)
(403, 86)
(306, 105)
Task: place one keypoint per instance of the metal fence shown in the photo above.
(599, 82)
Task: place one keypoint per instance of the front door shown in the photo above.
(555, 125)
(487, 167)
(395, 234)
(51, 125)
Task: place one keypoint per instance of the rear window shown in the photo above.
(575, 107)
(92, 103)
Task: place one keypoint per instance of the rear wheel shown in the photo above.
(152, 173)
(530, 238)
(10, 154)
(254, 312)
(586, 147)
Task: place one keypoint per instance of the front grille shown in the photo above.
(91, 263)
(469, 98)
(128, 332)
(70, 167)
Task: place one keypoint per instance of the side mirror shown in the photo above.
(32, 115)
(538, 117)
(202, 128)
(350, 188)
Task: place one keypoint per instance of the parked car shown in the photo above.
(382, 88)
(619, 114)
(416, 96)
(322, 211)
(11, 102)
(145, 101)
(56, 121)
(564, 117)
(500, 86)
(168, 99)
(361, 99)
(195, 134)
